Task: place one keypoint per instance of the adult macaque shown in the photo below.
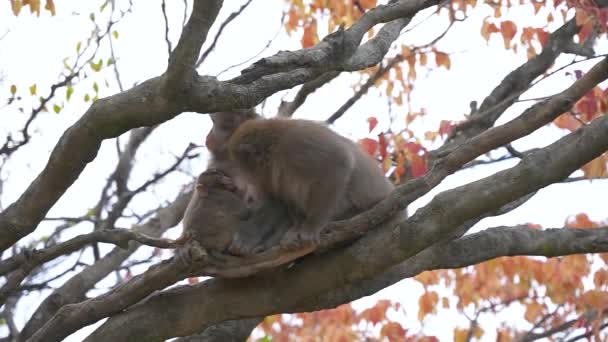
(218, 218)
(320, 175)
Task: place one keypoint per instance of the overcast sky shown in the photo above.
(33, 50)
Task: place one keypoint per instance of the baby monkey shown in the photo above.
(218, 218)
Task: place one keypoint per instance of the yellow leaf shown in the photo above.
(16, 6)
(13, 89)
(33, 89)
(533, 312)
(422, 59)
(50, 6)
(460, 335)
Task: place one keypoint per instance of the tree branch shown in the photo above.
(182, 62)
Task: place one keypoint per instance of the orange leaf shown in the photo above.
(369, 145)
(442, 59)
(377, 313)
(508, 30)
(427, 304)
(567, 121)
(533, 311)
(367, 4)
(600, 278)
(373, 122)
(50, 6)
(422, 59)
(310, 38)
(460, 335)
(393, 331)
(488, 28)
(292, 23)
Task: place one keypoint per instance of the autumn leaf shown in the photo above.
(370, 146)
(310, 38)
(442, 59)
(393, 331)
(418, 166)
(383, 146)
(567, 121)
(50, 6)
(427, 304)
(487, 29)
(508, 30)
(372, 122)
(533, 311)
(367, 4)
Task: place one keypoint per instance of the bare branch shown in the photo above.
(286, 109)
(370, 82)
(182, 60)
(230, 18)
(75, 289)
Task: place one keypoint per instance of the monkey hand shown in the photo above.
(299, 237)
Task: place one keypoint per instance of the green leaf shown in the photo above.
(265, 339)
(2, 322)
(115, 34)
(95, 98)
(87, 98)
(69, 92)
(65, 64)
(103, 6)
(110, 62)
(78, 47)
(96, 66)
(13, 89)
(33, 89)
(92, 16)
(95, 87)
(56, 108)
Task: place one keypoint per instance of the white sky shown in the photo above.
(33, 51)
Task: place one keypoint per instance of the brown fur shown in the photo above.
(320, 175)
(218, 218)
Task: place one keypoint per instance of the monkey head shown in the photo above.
(224, 124)
(213, 179)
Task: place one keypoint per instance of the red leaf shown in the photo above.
(418, 166)
(383, 146)
(370, 146)
(508, 30)
(373, 122)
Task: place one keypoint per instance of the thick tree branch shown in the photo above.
(182, 62)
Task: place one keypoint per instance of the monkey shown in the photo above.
(319, 175)
(217, 215)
